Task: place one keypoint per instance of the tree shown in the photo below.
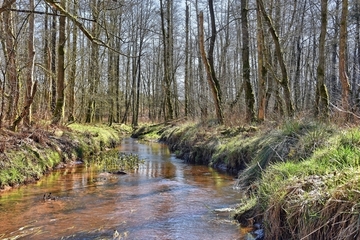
(345, 86)
(249, 94)
(187, 65)
(322, 99)
(261, 67)
(167, 58)
(31, 86)
(60, 86)
(94, 74)
(208, 60)
(73, 69)
(10, 49)
(284, 82)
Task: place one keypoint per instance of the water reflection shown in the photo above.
(163, 199)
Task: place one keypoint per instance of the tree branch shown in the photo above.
(75, 20)
(6, 4)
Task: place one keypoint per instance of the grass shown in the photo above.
(316, 197)
(25, 157)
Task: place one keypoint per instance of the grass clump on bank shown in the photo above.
(26, 156)
(313, 198)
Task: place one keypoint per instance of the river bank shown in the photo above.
(300, 178)
(28, 155)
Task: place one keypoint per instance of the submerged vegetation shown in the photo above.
(300, 180)
(113, 161)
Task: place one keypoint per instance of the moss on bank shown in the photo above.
(301, 179)
(27, 156)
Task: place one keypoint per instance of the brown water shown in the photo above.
(164, 199)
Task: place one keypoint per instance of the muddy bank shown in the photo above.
(27, 155)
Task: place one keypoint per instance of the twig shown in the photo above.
(344, 111)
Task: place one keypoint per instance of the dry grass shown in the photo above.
(315, 208)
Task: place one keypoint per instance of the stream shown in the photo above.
(164, 199)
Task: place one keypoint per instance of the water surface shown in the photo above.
(164, 199)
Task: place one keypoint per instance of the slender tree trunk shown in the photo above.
(11, 74)
(60, 86)
(345, 86)
(53, 63)
(334, 85)
(322, 99)
(261, 67)
(94, 75)
(169, 111)
(209, 62)
(186, 77)
(249, 94)
(356, 88)
(279, 54)
(73, 69)
(31, 86)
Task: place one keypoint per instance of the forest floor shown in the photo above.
(27, 155)
(301, 179)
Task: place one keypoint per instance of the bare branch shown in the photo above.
(75, 20)
(6, 4)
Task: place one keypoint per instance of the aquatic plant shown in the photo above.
(113, 161)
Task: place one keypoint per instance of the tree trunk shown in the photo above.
(169, 111)
(261, 67)
(11, 74)
(73, 69)
(322, 99)
(53, 63)
(60, 86)
(186, 77)
(284, 82)
(209, 64)
(31, 87)
(249, 94)
(345, 86)
(94, 75)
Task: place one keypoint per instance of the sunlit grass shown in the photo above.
(302, 197)
(32, 158)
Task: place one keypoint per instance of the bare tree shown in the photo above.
(249, 94)
(284, 82)
(10, 46)
(167, 58)
(345, 86)
(322, 99)
(73, 68)
(208, 60)
(31, 86)
(60, 86)
(261, 53)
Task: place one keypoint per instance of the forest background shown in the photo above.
(127, 61)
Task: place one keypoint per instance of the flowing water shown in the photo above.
(164, 199)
